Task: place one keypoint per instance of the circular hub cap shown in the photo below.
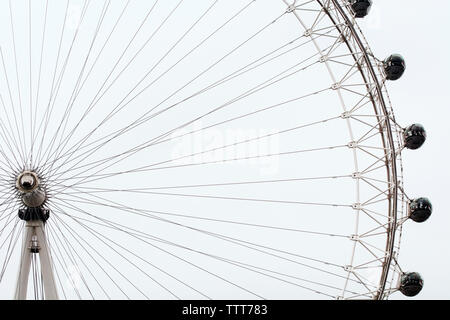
(27, 182)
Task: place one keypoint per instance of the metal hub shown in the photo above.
(27, 181)
(30, 188)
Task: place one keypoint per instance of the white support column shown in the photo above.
(25, 263)
(46, 264)
(36, 228)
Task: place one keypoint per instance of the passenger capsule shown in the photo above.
(394, 67)
(415, 136)
(361, 8)
(420, 209)
(411, 284)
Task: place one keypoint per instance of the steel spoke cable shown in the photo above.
(208, 219)
(9, 255)
(8, 213)
(238, 242)
(7, 164)
(90, 133)
(59, 245)
(98, 55)
(57, 241)
(76, 255)
(252, 268)
(64, 267)
(151, 168)
(285, 71)
(142, 213)
(8, 195)
(167, 274)
(8, 235)
(77, 237)
(243, 243)
(38, 89)
(335, 205)
(248, 93)
(17, 78)
(103, 47)
(231, 76)
(48, 110)
(55, 88)
(154, 67)
(222, 122)
(69, 253)
(18, 144)
(92, 190)
(55, 93)
(232, 240)
(8, 135)
(30, 82)
(126, 49)
(134, 150)
(149, 144)
(58, 277)
(69, 106)
(10, 200)
(12, 244)
(240, 117)
(108, 243)
(8, 216)
(245, 266)
(196, 266)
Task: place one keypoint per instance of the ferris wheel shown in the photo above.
(209, 149)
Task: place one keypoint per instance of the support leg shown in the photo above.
(25, 263)
(46, 264)
(36, 228)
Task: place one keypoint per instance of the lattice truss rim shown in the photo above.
(381, 102)
(370, 109)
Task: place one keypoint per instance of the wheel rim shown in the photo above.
(97, 159)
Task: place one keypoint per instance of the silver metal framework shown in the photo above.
(339, 14)
(35, 242)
